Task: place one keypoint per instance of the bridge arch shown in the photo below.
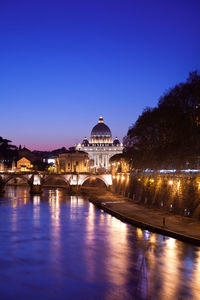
(94, 177)
(55, 179)
(24, 178)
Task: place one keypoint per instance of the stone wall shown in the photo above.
(175, 193)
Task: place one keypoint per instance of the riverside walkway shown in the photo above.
(182, 228)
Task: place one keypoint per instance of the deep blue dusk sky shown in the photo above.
(63, 63)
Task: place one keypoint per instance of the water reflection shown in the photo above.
(17, 195)
(36, 210)
(56, 247)
(170, 269)
(55, 200)
(55, 197)
(89, 247)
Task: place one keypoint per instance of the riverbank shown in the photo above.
(178, 227)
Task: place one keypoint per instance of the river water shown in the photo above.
(61, 247)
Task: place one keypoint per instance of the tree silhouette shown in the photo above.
(168, 136)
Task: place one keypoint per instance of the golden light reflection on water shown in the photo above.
(171, 243)
(139, 233)
(75, 203)
(196, 276)
(90, 255)
(54, 203)
(116, 236)
(114, 232)
(148, 261)
(198, 263)
(152, 238)
(18, 195)
(170, 270)
(36, 200)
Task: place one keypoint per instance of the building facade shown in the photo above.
(70, 162)
(101, 146)
(24, 164)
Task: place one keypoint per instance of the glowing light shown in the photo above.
(139, 232)
(147, 234)
(198, 261)
(170, 182)
(167, 171)
(151, 180)
(152, 238)
(139, 179)
(171, 243)
(123, 178)
(36, 180)
(114, 177)
(51, 160)
(191, 170)
(36, 200)
(178, 184)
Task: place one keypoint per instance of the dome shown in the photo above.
(101, 129)
(116, 142)
(85, 142)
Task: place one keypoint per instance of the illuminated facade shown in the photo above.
(76, 161)
(119, 164)
(101, 146)
(24, 164)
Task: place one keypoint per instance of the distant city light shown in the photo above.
(184, 170)
(51, 160)
(190, 170)
(167, 171)
(148, 171)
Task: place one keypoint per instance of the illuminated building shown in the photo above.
(119, 164)
(23, 164)
(72, 161)
(2, 167)
(101, 146)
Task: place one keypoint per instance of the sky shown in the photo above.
(63, 63)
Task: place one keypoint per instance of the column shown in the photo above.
(106, 161)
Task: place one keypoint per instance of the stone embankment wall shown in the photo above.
(175, 193)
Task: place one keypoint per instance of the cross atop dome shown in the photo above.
(101, 119)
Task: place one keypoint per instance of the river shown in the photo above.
(56, 246)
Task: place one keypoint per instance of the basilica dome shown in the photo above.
(101, 129)
(100, 147)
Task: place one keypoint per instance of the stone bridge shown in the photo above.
(37, 180)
